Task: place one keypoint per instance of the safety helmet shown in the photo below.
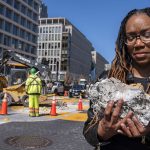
(33, 71)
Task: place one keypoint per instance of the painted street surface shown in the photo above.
(61, 132)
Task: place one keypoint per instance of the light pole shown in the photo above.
(57, 67)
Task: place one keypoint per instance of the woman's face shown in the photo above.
(138, 37)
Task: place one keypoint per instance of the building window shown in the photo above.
(40, 46)
(1, 38)
(22, 33)
(50, 30)
(59, 30)
(59, 37)
(33, 50)
(1, 9)
(52, 37)
(34, 39)
(35, 17)
(16, 17)
(17, 4)
(7, 26)
(64, 46)
(23, 9)
(29, 13)
(52, 45)
(14, 43)
(36, 6)
(44, 30)
(1, 24)
(8, 13)
(39, 52)
(15, 30)
(10, 2)
(1, 50)
(23, 21)
(35, 28)
(46, 37)
(7, 40)
(40, 29)
(28, 36)
(39, 37)
(27, 48)
(58, 45)
(21, 45)
(30, 2)
(29, 25)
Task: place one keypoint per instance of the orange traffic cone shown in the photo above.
(53, 108)
(66, 93)
(4, 105)
(80, 107)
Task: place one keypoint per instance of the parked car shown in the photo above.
(76, 90)
(58, 88)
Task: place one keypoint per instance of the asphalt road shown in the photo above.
(60, 134)
(18, 131)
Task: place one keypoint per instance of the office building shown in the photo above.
(19, 26)
(99, 62)
(66, 49)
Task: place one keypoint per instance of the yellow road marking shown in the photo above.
(15, 108)
(76, 117)
(70, 116)
(5, 119)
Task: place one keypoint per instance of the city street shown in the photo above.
(61, 132)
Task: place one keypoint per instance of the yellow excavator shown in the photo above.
(15, 70)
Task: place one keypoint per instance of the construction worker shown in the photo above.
(33, 88)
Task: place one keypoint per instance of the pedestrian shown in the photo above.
(130, 65)
(33, 88)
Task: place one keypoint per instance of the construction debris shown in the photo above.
(135, 99)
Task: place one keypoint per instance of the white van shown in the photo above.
(58, 88)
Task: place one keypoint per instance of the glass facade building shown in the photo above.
(19, 26)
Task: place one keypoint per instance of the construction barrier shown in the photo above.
(53, 107)
(3, 110)
(80, 106)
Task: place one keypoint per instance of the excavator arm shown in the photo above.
(13, 56)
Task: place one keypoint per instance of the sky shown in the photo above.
(98, 20)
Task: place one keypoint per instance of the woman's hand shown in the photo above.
(133, 128)
(109, 125)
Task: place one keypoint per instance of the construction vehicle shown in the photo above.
(15, 69)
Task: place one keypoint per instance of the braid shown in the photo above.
(122, 62)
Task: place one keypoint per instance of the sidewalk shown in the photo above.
(61, 132)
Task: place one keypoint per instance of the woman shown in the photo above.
(131, 65)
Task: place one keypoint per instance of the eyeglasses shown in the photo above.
(131, 38)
